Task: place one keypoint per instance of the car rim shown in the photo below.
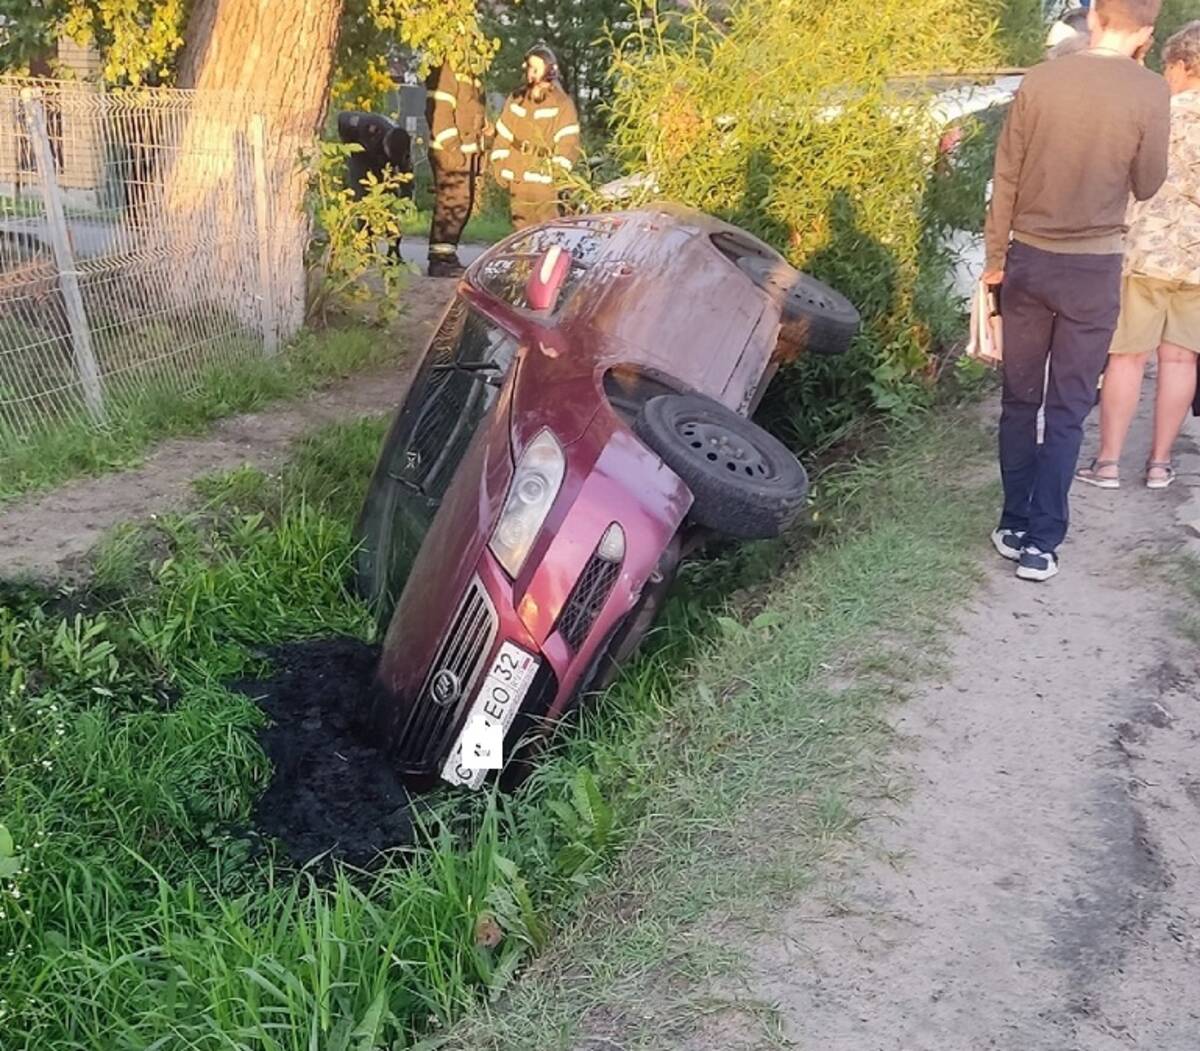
(714, 444)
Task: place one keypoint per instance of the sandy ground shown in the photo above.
(1039, 890)
(47, 534)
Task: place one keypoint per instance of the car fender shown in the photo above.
(626, 484)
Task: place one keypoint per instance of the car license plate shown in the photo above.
(479, 747)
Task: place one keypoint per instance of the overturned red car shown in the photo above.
(579, 421)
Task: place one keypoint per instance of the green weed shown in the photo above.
(47, 458)
(485, 227)
(730, 786)
(138, 913)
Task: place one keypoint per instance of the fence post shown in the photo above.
(64, 256)
(264, 230)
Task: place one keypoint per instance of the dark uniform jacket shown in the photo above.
(535, 141)
(454, 109)
(384, 144)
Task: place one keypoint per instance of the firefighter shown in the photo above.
(537, 140)
(385, 145)
(454, 108)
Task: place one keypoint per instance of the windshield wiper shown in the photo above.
(490, 372)
(408, 484)
(469, 366)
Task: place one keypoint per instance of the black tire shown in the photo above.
(745, 483)
(815, 318)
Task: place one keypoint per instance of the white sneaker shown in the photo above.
(1037, 565)
(1008, 543)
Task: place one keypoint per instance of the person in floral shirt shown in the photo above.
(1160, 296)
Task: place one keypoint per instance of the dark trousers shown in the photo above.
(1062, 308)
(454, 197)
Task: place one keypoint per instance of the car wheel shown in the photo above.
(745, 483)
(814, 317)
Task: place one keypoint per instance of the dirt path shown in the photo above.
(1039, 890)
(48, 533)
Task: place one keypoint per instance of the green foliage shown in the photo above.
(349, 256)
(138, 39)
(375, 33)
(133, 908)
(47, 458)
(137, 912)
(1175, 15)
(1022, 31)
(958, 190)
(804, 121)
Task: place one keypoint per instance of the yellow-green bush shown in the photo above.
(806, 122)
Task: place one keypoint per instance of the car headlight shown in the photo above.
(535, 485)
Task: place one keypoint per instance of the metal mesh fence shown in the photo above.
(138, 246)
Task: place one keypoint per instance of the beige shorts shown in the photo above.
(1154, 311)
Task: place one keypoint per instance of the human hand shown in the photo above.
(993, 277)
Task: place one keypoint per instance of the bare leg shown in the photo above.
(1119, 398)
(1173, 400)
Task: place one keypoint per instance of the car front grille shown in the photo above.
(586, 600)
(460, 659)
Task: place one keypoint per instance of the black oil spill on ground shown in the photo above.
(331, 791)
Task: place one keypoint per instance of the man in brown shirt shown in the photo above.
(1084, 133)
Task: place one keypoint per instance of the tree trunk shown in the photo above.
(276, 54)
(248, 58)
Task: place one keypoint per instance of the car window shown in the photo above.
(506, 276)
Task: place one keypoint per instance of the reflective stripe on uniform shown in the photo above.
(442, 136)
(470, 147)
(546, 113)
(538, 177)
(518, 109)
(507, 174)
(563, 162)
(499, 155)
(563, 132)
(442, 249)
(445, 96)
(503, 132)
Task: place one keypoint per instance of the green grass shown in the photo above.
(1186, 580)
(72, 449)
(136, 914)
(757, 765)
(484, 228)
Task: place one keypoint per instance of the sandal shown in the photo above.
(1091, 474)
(1168, 474)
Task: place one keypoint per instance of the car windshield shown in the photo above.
(453, 392)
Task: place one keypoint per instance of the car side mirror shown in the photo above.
(546, 282)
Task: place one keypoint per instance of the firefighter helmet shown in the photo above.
(544, 52)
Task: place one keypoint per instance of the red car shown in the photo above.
(579, 421)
